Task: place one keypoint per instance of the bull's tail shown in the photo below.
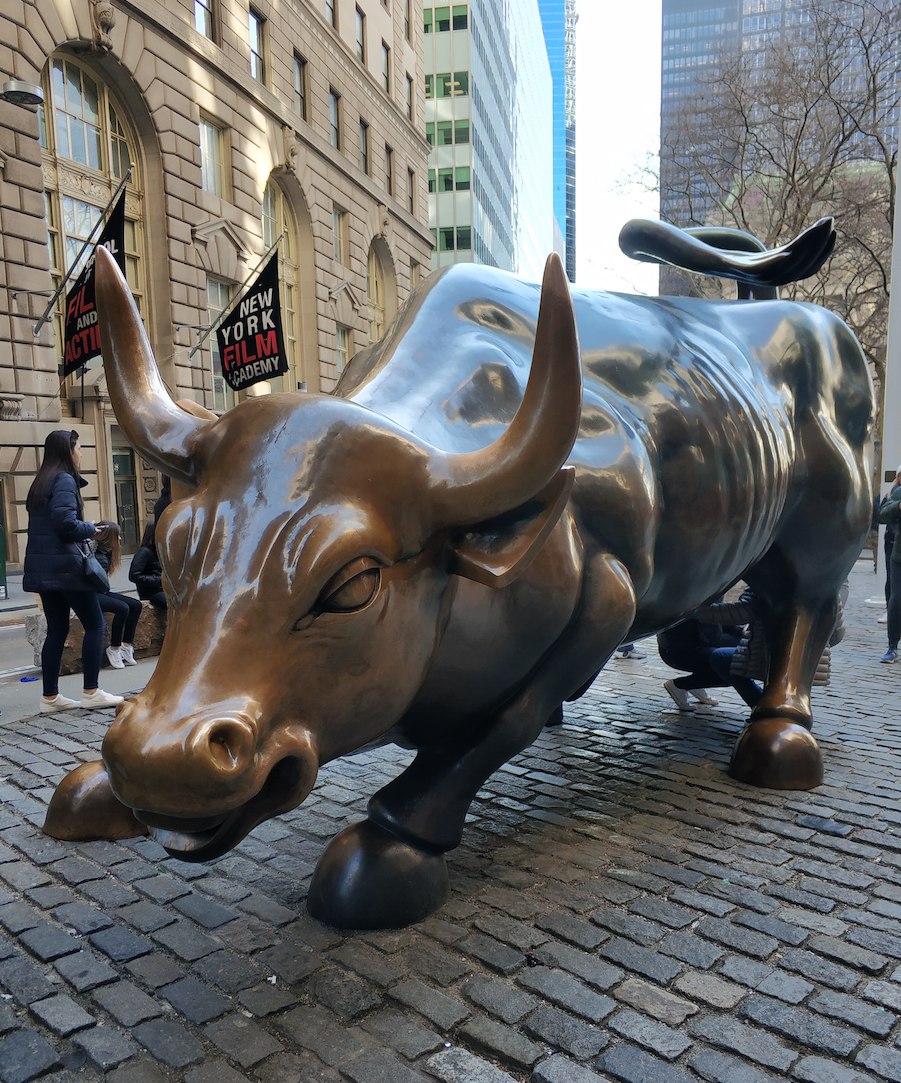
(731, 253)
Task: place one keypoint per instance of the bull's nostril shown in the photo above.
(229, 744)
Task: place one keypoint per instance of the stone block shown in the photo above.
(148, 637)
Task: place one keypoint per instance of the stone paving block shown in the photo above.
(785, 987)
(499, 957)
(315, 1029)
(566, 991)
(242, 1039)
(819, 970)
(886, 1063)
(698, 900)
(126, 1003)
(721, 1068)
(583, 964)
(560, 1069)
(205, 911)
(245, 935)
(85, 970)
(733, 936)
(632, 1065)
(233, 972)
(884, 992)
(155, 970)
(81, 917)
(644, 961)
(343, 994)
(24, 1055)
(820, 1070)
(169, 1043)
(162, 888)
(376, 1064)
(692, 949)
(296, 1067)
(403, 1034)
(49, 942)
(120, 944)
(214, 1070)
(460, 1066)
(50, 896)
(853, 955)
(109, 895)
(663, 912)
(15, 917)
(852, 1010)
(876, 943)
(444, 1011)
(643, 1030)
(145, 916)
(801, 1025)
(62, 1015)
(500, 998)
(265, 999)
(751, 1042)
(369, 963)
(435, 963)
(654, 1001)
(186, 940)
(499, 1042)
(562, 1031)
(106, 1047)
(24, 980)
(138, 1070)
(710, 989)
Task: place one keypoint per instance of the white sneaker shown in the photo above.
(883, 619)
(100, 699)
(632, 652)
(61, 703)
(679, 695)
(127, 653)
(114, 654)
(703, 696)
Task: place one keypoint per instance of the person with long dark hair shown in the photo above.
(146, 571)
(54, 558)
(125, 609)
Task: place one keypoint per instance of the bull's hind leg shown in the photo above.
(389, 870)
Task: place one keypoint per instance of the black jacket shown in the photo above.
(146, 573)
(53, 558)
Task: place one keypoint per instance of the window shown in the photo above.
(459, 20)
(342, 347)
(450, 239)
(461, 131)
(464, 238)
(446, 239)
(334, 118)
(364, 146)
(331, 13)
(212, 173)
(218, 296)
(256, 29)
(430, 86)
(389, 170)
(279, 225)
(445, 180)
(300, 86)
(339, 234)
(442, 19)
(87, 152)
(445, 133)
(432, 181)
(411, 191)
(415, 273)
(386, 68)
(427, 16)
(461, 178)
(430, 133)
(375, 288)
(408, 18)
(410, 96)
(360, 24)
(451, 85)
(204, 18)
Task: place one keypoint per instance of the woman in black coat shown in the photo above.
(146, 572)
(54, 558)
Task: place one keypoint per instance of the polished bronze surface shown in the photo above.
(445, 549)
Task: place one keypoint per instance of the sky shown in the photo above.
(617, 127)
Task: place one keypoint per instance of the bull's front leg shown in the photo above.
(776, 748)
(389, 870)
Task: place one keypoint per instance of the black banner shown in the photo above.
(250, 338)
(82, 330)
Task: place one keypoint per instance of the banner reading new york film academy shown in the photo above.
(82, 330)
(250, 338)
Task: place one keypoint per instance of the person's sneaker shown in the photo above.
(61, 703)
(127, 652)
(114, 654)
(703, 696)
(631, 652)
(100, 699)
(883, 619)
(679, 695)
(891, 655)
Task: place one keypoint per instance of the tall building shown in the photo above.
(558, 20)
(489, 123)
(242, 125)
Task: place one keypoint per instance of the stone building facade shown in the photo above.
(245, 125)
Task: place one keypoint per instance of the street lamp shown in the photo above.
(17, 92)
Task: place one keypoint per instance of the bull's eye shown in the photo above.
(352, 588)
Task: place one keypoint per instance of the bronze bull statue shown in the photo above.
(456, 541)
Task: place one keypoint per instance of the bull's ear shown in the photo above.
(496, 552)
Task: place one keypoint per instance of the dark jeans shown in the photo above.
(126, 611)
(894, 604)
(158, 600)
(57, 604)
(714, 673)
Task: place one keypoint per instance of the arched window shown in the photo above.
(88, 148)
(279, 222)
(375, 282)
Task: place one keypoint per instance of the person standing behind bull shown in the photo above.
(126, 610)
(146, 572)
(54, 569)
(890, 514)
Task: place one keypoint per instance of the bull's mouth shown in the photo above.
(205, 838)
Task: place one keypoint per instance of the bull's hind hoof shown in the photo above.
(369, 879)
(778, 755)
(83, 806)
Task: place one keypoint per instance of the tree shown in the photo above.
(801, 121)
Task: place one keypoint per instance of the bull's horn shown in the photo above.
(160, 431)
(473, 487)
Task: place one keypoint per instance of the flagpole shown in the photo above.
(36, 329)
(212, 327)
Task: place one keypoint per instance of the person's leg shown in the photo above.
(158, 599)
(87, 609)
(117, 605)
(887, 553)
(894, 611)
(56, 613)
(721, 663)
(131, 621)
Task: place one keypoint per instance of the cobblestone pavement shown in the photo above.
(620, 910)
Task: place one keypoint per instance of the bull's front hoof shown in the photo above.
(778, 755)
(369, 879)
(83, 806)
